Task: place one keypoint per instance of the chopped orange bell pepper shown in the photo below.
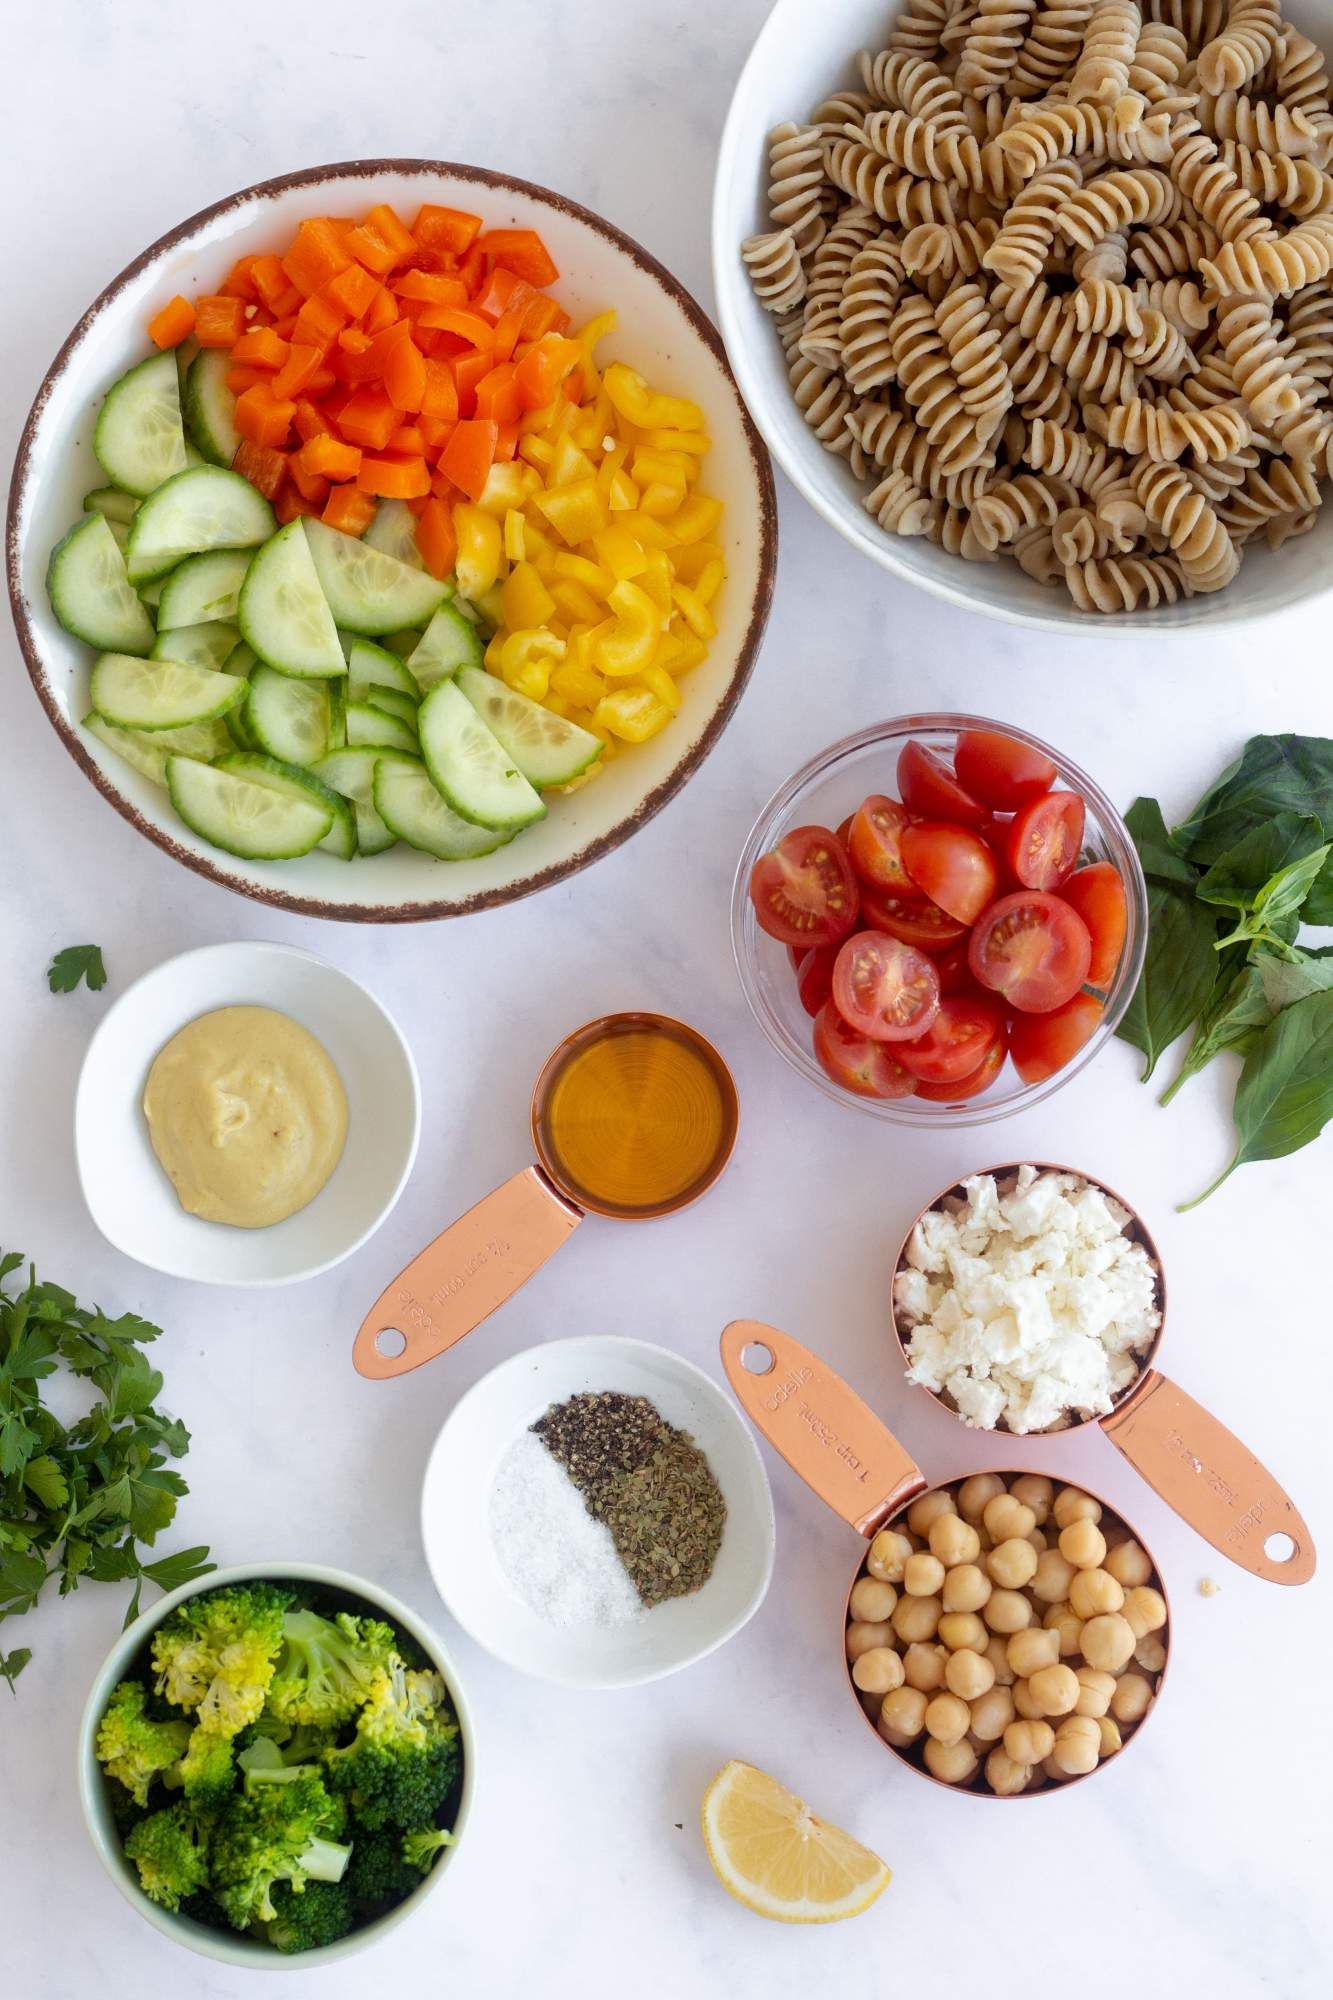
(368, 419)
(393, 478)
(468, 370)
(310, 421)
(349, 510)
(438, 228)
(404, 369)
(261, 347)
(263, 418)
(469, 455)
(435, 538)
(440, 396)
(317, 255)
(497, 395)
(239, 282)
(218, 321)
(298, 371)
(265, 469)
(173, 324)
(318, 323)
(325, 456)
(521, 251)
(353, 291)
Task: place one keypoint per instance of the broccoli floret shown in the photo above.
(201, 1908)
(422, 1844)
(131, 1747)
(320, 1913)
(279, 1833)
(125, 1808)
(402, 1760)
(207, 1771)
(378, 1874)
(170, 1851)
(215, 1654)
(326, 1667)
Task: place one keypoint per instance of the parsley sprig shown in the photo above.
(76, 962)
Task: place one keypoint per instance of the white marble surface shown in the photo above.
(1201, 1861)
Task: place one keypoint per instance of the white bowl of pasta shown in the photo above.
(1044, 327)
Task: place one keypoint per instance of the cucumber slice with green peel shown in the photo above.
(449, 642)
(203, 588)
(109, 500)
(367, 591)
(208, 407)
(372, 729)
(288, 719)
(352, 772)
(401, 644)
(294, 783)
(91, 593)
(392, 701)
(411, 808)
(208, 645)
(120, 531)
(369, 665)
(547, 749)
(148, 753)
(283, 613)
(149, 593)
(159, 694)
(139, 438)
(393, 532)
(337, 715)
(203, 508)
(243, 818)
(470, 767)
(239, 660)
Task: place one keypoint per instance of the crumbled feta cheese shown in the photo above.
(1026, 1300)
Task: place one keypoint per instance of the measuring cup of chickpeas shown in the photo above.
(1004, 1634)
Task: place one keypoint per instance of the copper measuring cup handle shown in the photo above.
(1211, 1480)
(827, 1435)
(460, 1278)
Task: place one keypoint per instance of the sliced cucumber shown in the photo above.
(120, 530)
(392, 701)
(470, 767)
(448, 643)
(337, 715)
(283, 613)
(241, 817)
(91, 593)
(393, 532)
(203, 508)
(138, 438)
(288, 718)
(149, 593)
(370, 666)
(239, 660)
(203, 587)
(367, 591)
(295, 783)
(547, 749)
(352, 772)
(411, 808)
(159, 694)
(402, 644)
(208, 645)
(149, 753)
(370, 728)
(208, 407)
(109, 500)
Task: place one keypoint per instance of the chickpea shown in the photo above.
(1083, 1544)
(1026, 1703)
(1078, 1745)
(888, 1553)
(1093, 1591)
(1036, 1493)
(1107, 1642)
(879, 1671)
(953, 1541)
(955, 1763)
(1072, 1504)
(922, 1574)
(862, 1635)
(904, 1710)
(948, 1718)
(1013, 1563)
(1038, 1540)
(923, 1667)
(1050, 1769)
(1132, 1698)
(958, 1629)
(871, 1600)
(998, 1656)
(969, 1674)
(1128, 1564)
(991, 1715)
(1062, 1620)
(966, 1588)
(916, 1618)
(929, 1508)
(1095, 1691)
(976, 1492)
(1112, 1740)
(1052, 1577)
(1005, 1778)
(1007, 1518)
(1029, 1742)
(1056, 1689)
(1032, 1649)
(1150, 1654)
(1007, 1611)
(1144, 1610)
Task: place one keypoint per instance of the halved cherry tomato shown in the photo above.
(867, 1067)
(953, 867)
(923, 924)
(1042, 844)
(1040, 1044)
(884, 988)
(875, 842)
(845, 830)
(930, 789)
(967, 1086)
(954, 970)
(804, 892)
(1098, 894)
(814, 977)
(1000, 771)
(796, 952)
(957, 1041)
(1033, 949)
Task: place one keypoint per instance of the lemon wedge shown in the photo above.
(768, 1849)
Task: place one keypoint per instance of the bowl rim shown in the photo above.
(326, 965)
(25, 472)
(748, 1448)
(245, 1951)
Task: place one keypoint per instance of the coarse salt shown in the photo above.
(552, 1553)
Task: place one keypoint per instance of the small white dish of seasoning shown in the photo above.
(595, 1514)
(247, 1114)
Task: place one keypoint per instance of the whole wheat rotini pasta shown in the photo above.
(775, 268)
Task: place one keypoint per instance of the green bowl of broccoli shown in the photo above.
(275, 1764)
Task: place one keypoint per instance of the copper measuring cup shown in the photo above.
(1204, 1473)
(481, 1260)
(837, 1445)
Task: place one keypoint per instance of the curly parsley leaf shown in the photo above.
(76, 962)
(12, 1665)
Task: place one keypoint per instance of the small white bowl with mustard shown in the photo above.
(247, 1114)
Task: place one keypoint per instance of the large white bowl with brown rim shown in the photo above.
(662, 332)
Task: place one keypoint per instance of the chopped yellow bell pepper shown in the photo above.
(710, 580)
(634, 399)
(479, 550)
(639, 625)
(575, 512)
(618, 551)
(580, 570)
(581, 685)
(524, 598)
(577, 603)
(633, 714)
(515, 536)
(659, 682)
(694, 611)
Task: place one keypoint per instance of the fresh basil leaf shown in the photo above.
(1273, 774)
(1285, 1095)
(1319, 903)
(1238, 877)
(1276, 916)
(1234, 1018)
(1286, 981)
(1180, 969)
(1157, 853)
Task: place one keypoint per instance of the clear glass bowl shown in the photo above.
(822, 793)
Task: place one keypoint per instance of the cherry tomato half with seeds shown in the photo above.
(1041, 1044)
(875, 845)
(967, 1086)
(953, 867)
(814, 977)
(1000, 771)
(931, 791)
(923, 924)
(884, 988)
(845, 830)
(1098, 894)
(957, 1041)
(804, 892)
(1042, 844)
(1033, 949)
(859, 1064)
